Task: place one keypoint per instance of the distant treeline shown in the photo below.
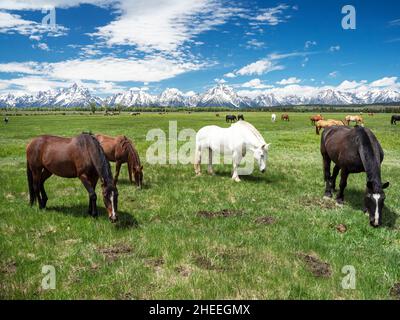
(381, 108)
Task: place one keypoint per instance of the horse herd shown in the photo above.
(87, 156)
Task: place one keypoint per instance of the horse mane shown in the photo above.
(133, 156)
(369, 156)
(99, 160)
(252, 129)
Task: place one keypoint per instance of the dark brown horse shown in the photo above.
(81, 157)
(121, 150)
(285, 117)
(354, 150)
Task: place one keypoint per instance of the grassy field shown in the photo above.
(277, 238)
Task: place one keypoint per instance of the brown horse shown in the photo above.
(355, 150)
(285, 117)
(121, 150)
(322, 124)
(316, 118)
(81, 157)
(357, 119)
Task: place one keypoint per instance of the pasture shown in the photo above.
(272, 236)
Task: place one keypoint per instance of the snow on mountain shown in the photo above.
(172, 98)
(219, 96)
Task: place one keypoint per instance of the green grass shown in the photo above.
(162, 248)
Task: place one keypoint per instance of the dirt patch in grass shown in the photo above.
(222, 213)
(395, 291)
(113, 253)
(317, 267)
(342, 228)
(323, 203)
(205, 263)
(9, 268)
(155, 262)
(268, 220)
(184, 271)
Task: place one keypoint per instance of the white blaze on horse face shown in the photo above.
(376, 196)
(112, 204)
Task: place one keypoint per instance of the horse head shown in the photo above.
(110, 196)
(374, 202)
(261, 156)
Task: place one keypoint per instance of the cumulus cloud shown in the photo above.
(230, 75)
(310, 44)
(259, 67)
(271, 16)
(334, 48)
(256, 84)
(384, 82)
(291, 80)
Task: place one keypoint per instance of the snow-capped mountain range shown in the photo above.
(219, 96)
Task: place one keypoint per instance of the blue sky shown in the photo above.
(111, 46)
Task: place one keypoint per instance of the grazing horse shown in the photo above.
(316, 118)
(394, 119)
(5, 120)
(322, 124)
(240, 117)
(285, 117)
(371, 114)
(81, 157)
(121, 150)
(357, 119)
(355, 150)
(235, 140)
(230, 118)
(273, 117)
(217, 115)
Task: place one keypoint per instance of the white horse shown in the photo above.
(235, 140)
(273, 117)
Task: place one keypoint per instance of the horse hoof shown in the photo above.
(237, 179)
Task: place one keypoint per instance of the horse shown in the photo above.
(285, 117)
(82, 157)
(394, 119)
(217, 115)
(357, 119)
(355, 150)
(316, 118)
(135, 113)
(235, 140)
(273, 117)
(371, 114)
(121, 150)
(322, 124)
(6, 120)
(230, 118)
(240, 117)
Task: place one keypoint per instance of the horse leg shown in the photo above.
(210, 158)
(343, 184)
(327, 176)
(36, 174)
(335, 173)
(117, 169)
(197, 161)
(236, 161)
(45, 175)
(92, 195)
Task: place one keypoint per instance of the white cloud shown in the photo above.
(162, 25)
(334, 48)
(13, 23)
(230, 75)
(272, 16)
(43, 46)
(291, 80)
(310, 44)
(151, 69)
(254, 43)
(334, 74)
(259, 67)
(256, 84)
(220, 81)
(384, 82)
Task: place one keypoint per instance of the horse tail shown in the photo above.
(32, 196)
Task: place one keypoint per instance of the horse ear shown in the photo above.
(369, 185)
(385, 185)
